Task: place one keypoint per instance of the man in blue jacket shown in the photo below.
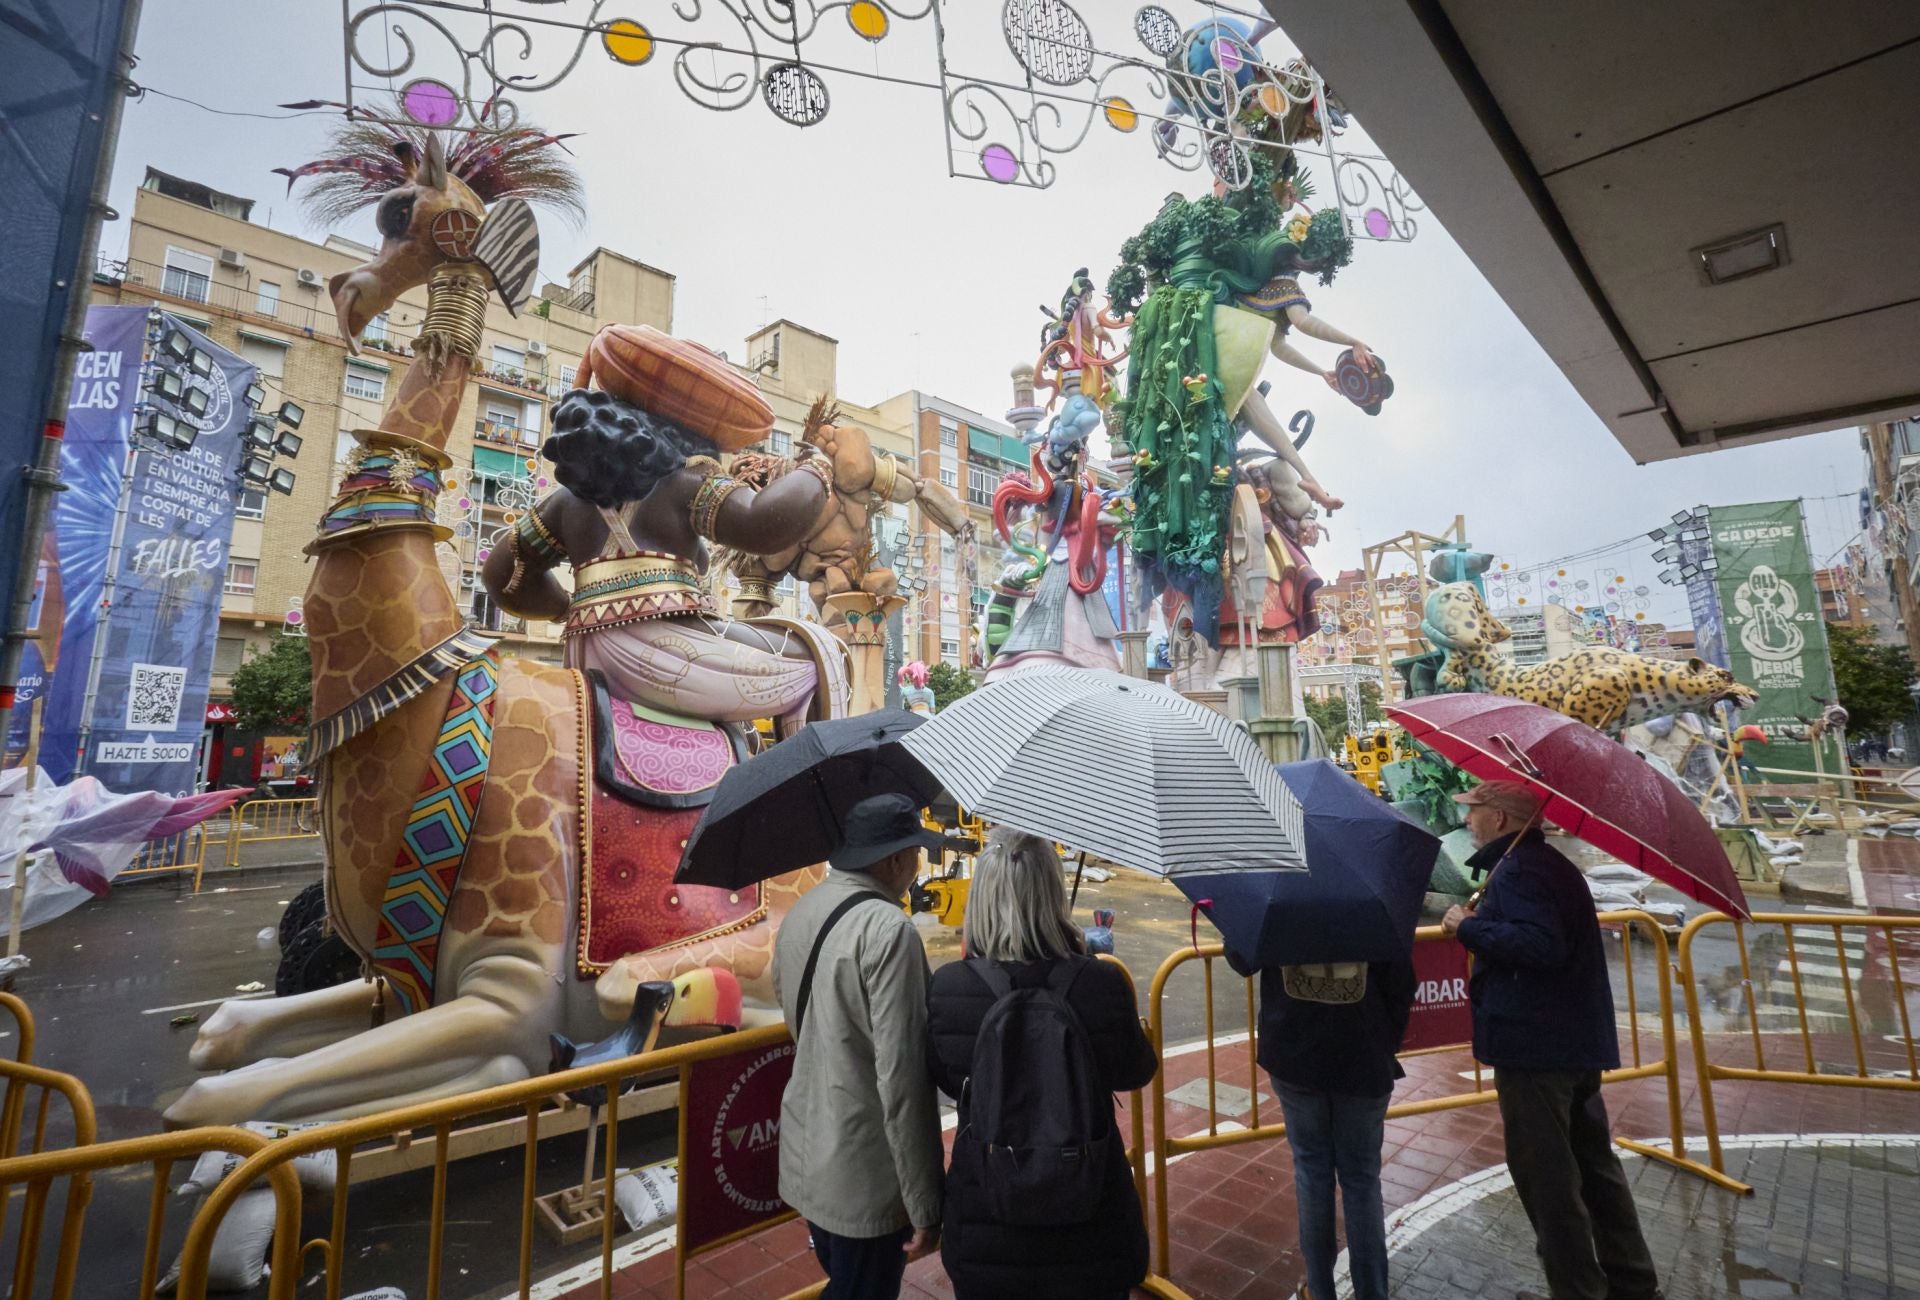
(1543, 1019)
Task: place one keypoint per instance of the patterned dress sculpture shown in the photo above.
(464, 796)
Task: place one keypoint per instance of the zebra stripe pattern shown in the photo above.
(508, 245)
(1117, 767)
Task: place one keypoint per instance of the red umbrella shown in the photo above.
(1597, 790)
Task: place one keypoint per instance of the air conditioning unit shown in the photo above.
(232, 257)
(535, 347)
(309, 279)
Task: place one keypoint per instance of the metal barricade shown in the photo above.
(1799, 954)
(259, 820)
(272, 1160)
(186, 851)
(78, 1164)
(1166, 1146)
(22, 1077)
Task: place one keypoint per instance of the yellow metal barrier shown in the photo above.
(22, 1076)
(186, 851)
(78, 1165)
(1789, 953)
(1167, 1146)
(272, 1160)
(259, 820)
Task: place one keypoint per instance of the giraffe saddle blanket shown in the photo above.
(653, 774)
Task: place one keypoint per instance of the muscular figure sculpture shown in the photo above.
(638, 498)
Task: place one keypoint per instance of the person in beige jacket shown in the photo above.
(860, 1151)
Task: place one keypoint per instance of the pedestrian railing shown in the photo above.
(1806, 982)
(1167, 1146)
(428, 1124)
(76, 1166)
(259, 820)
(186, 851)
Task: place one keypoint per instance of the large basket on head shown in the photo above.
(680, 381)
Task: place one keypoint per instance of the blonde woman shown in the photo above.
(1031, 1037)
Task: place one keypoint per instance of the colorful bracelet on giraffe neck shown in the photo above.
(531, 531)
(713, 493)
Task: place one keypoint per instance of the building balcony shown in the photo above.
(504, 432)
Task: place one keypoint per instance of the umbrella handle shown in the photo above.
(1193, 920)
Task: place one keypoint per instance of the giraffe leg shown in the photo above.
(242, 1032)
(484, 1036)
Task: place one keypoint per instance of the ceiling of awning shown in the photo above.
(1582, 153)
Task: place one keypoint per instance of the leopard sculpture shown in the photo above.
(1605, 688)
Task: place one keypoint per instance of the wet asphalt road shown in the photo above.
(108, 978)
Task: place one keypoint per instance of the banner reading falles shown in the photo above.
(1769, 626)
(142, 731)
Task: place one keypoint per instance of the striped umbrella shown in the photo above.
(1116, 767)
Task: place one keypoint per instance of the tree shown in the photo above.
(273, 690)
(1872, 680)
(947, 684)
(1330, 714)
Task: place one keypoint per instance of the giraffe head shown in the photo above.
(432, 218)
(436, 203)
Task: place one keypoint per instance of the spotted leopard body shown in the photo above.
(1605, 688)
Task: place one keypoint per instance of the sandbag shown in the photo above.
(648, 1196)
(238, 1259)
(315, 1170)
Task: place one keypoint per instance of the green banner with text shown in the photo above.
(1775, 639)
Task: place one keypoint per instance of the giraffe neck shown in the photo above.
(377, 601)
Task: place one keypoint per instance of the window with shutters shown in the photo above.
(227, 654)
(368, 384)
(188, 275)
(266, 298)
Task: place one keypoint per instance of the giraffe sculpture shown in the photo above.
(400, 684)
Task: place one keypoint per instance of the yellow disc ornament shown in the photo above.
(627, 42)
(1121, 115)
(867, 19)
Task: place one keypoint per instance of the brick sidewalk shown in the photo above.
(1231, 1210)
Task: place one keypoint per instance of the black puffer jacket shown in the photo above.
(990, 1261)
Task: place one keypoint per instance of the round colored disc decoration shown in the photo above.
(998, 162)
(627, 41)
(295, 618)
(1228, 54)
(867, 19)
(795, 93)
(1121, 115)
(430, 102)
(1377, 224)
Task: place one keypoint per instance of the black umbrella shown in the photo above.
(782, 810)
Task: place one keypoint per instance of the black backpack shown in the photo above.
(1040, 1125)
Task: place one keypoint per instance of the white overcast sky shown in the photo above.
(853, 227)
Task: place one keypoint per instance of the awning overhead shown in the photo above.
(1589, 158)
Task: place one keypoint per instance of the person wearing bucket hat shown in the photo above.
(860, 1150)
(1543, 1019)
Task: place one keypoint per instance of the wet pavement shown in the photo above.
(1832, 1218)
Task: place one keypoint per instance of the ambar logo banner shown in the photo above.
(1775, 639)
(730, 1155)
(1442, 1016)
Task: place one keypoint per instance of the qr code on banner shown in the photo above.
(153, 697)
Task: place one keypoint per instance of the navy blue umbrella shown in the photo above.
(1359, 898)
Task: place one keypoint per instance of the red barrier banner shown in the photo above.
(1441, 1015)
(730, 1145)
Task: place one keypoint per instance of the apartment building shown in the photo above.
(967, 453)
(262, 293)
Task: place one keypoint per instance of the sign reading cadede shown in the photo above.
(1775, 639)
(730, 1145)
(1441, 1015)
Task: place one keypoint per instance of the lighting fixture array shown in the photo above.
(181, 364)
(1681, 551)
